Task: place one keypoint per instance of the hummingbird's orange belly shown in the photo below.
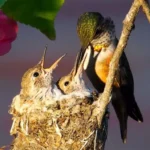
(102, 70)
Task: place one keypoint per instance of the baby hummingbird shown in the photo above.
(37, 79)
(37, 91)
(73, 82)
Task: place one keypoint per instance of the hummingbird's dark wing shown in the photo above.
(123, 99)
(123, 74)
(127, 88)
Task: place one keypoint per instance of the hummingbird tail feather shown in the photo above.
(121, 112)
(134, 111)
(122, 117)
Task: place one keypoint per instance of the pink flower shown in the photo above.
(8, 33)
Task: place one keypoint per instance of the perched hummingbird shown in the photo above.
(99, 33)
(37, 81)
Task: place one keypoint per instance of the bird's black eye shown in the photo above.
(66, 83)
(98, 31)
(36, 74)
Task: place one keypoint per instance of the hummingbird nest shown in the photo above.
(66, 124)
(46, 118)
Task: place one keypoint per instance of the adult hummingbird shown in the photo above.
(99, 33)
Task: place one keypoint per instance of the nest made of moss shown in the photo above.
(71, 123)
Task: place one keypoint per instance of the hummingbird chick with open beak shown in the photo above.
(99, 33)
(38, 90)
(73, 83)
(37, 81)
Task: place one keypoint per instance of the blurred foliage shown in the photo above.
(2, 2)
(36, 13)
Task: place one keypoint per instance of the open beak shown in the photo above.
(78, 70)
(55, 64)
(41, 63)
(80, 67)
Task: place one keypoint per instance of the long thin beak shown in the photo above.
(75, 67)
(84, 53)
(55, 64)
(79, 58)
(81, 54)
(41, 63)
(80, 67)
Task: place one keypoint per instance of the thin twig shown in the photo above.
(128, 24)
(146, 8)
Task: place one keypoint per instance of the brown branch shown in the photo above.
(128, 24)
(146, 8)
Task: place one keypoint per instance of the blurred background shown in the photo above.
(28, 48)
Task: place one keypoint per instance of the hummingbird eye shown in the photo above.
(98, 32)
(36, 74)
(66, 83)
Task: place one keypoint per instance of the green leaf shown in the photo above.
(36, 13)
(2, 2)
